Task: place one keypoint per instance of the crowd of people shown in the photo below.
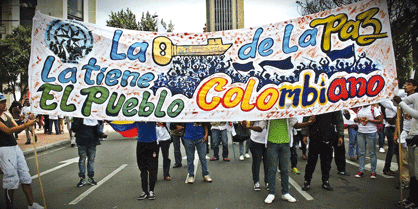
(271, 142)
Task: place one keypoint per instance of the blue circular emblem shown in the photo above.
(69, 40)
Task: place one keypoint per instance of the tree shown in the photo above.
(149, 23)
(14, 60)
(127, 20)
(403, 16)
(122, 19)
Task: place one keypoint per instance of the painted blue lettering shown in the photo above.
(286, 40)
(143, 81)
(114, 51)
(112, 77)
(63, 78)
(311, 33)
(47, 67)
(264, 48)
(89, 68)
(141, 54)
(252, 46)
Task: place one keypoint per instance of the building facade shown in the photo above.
(224, 15)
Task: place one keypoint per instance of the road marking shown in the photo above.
(195, 163)
(299, 189)
(379, 167)
(45, 153)
(87, 192)
(66, 162)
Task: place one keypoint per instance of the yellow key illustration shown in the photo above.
(164, 50)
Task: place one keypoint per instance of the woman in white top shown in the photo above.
(367, 118)
(258, 150)
(164, 141)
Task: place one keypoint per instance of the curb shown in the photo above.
(30, 152)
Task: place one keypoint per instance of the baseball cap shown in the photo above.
(2, 97)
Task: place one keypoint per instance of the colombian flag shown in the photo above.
(125, 128)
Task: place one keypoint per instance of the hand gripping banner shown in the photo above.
(314, 64)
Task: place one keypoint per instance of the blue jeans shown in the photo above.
(190, 146)
(352, 141)
(369, 139)
(247, 147)
(86, 152)
(259, 152)
(278, 155)
(217, 136)
(177, 152)
(57, 130)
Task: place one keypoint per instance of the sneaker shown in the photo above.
(269, 199)
(288, 198)
(91, 181)
(295, 170)
(257, 186)
(81, 183)
(167, 178)
(227, 159)
(306, 186)
(190, 180)
(344, 173)
(359, 174)
(382, 150)
(247, 155)
(241, 157)
(373, 175)
(143, 196)
(214, 159)
(352, 159)
(389, 173)
(177, 166)
(35, 206)
(326, 186)
(151, 195)
(207, 157)
(207, 179)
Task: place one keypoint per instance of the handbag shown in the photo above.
(242, 133)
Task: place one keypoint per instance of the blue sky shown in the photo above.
(190, 15)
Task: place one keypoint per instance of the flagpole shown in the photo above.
(37, 168)
(398, 131)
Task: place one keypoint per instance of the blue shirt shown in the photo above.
(194, 131)
(146, 131)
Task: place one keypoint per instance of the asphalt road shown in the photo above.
(119, 185)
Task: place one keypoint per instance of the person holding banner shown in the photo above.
(368, 117)
(219, 132)
(177, 134)
(412, 139)
(12, 161)
(164, 141)
(389, 114)
(323, 132)
(147, 158)
(349, 115)
(279, 137)
(195, 137)
(258, 148)
(87, 135)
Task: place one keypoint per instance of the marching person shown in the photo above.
(411, 140)
(12, 162)
(177, 134)
(164, 141)
(28, 115)
(87, 135)
(323, 132)
(147, 158)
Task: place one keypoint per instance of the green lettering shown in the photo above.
(92, 97)
(46, 88)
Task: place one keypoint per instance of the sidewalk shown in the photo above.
(46, 141)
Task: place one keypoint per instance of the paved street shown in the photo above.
(119, 183)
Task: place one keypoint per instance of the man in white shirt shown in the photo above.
(28, 115)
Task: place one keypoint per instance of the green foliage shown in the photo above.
(14, 59)
(122, 19)
(127, 20)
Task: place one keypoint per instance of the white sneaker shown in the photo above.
(207, 157)
(382, 150)
(269, 199)
(241, 157)
(288, 198)
(257, 186)
(190, 180)
(35, 206)
(247, 155)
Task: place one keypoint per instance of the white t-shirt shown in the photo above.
(365, 112)
(259, 137)
(26, 112)
(53, 117)
(390, 111)
(162, 133)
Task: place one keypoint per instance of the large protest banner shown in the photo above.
(319, 63)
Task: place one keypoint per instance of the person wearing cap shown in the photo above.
(12, 161)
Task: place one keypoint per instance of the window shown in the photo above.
(75, 9)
